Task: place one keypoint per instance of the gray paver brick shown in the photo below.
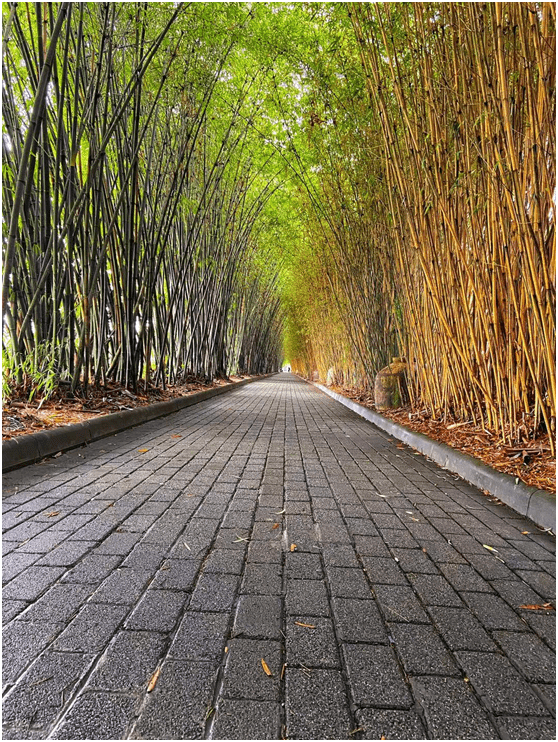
(346, 492)
(435, 590)
(415, 560)
(493, 612)
(375, 678)
(303, 566)
(384, 571)
(394, 537)
(258, 616)
(92, 569)
(200, 637)
(246, 720)
(66, 554)
(39, 696)
(228, 561)
(343, 556)
(244, 674)
(31, 583)
(262, 579)
(97, 716)
(311, 647)
(500, 685)
(489, 567)
(516, 592)
(177, 574)
(158, 610)
(119, 543)
(59, 603)
(15, 563)
(123, 586)
(544, 625)
(316, 705)
(11, 608)
(92, 628)
(307, 597)
(348, 583)
(461, 630)
(536, 661)
(451, 710)
(525, 728)
(399, 603)
(128, 662)
(358, 621)
(464, 577)
(422, 651)
(22, 642)
(214, 592)
(177, 707)
(541, 582)
(381, 724)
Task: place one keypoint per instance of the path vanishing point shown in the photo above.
(267, 565)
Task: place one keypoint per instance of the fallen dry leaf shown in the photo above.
(534, 607)
(266, 668)
(293, 547)
(525, 533)
(274, 526)
(154, 679)
(490, 548)
(186, 545)
(54, 512)
(142, 450)
(306, 625)
(176, 435)
(42, 680)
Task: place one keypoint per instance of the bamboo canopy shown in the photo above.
(216, 188)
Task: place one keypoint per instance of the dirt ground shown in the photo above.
(531, 461)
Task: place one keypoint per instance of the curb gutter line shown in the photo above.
(537, 505)
(27, 449)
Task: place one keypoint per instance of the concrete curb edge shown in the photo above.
(27, 449)
(537, 505)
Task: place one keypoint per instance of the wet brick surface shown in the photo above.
(275, 567)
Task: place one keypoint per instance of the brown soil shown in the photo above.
(21, 417)
(532, 461)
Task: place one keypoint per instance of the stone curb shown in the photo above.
(537, 505)
(26, 449)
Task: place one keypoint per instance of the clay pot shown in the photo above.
(390, 388)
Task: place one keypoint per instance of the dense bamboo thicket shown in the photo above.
(466, 97)
(131, 197)
(442, 205)
(345, 293)
(186, 184)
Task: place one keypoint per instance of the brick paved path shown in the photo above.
(169, 546)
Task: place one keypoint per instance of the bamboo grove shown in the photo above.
(131, 198)
(437, 211)
(213, 188)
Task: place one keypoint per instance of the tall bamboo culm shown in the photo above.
(465, 95)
